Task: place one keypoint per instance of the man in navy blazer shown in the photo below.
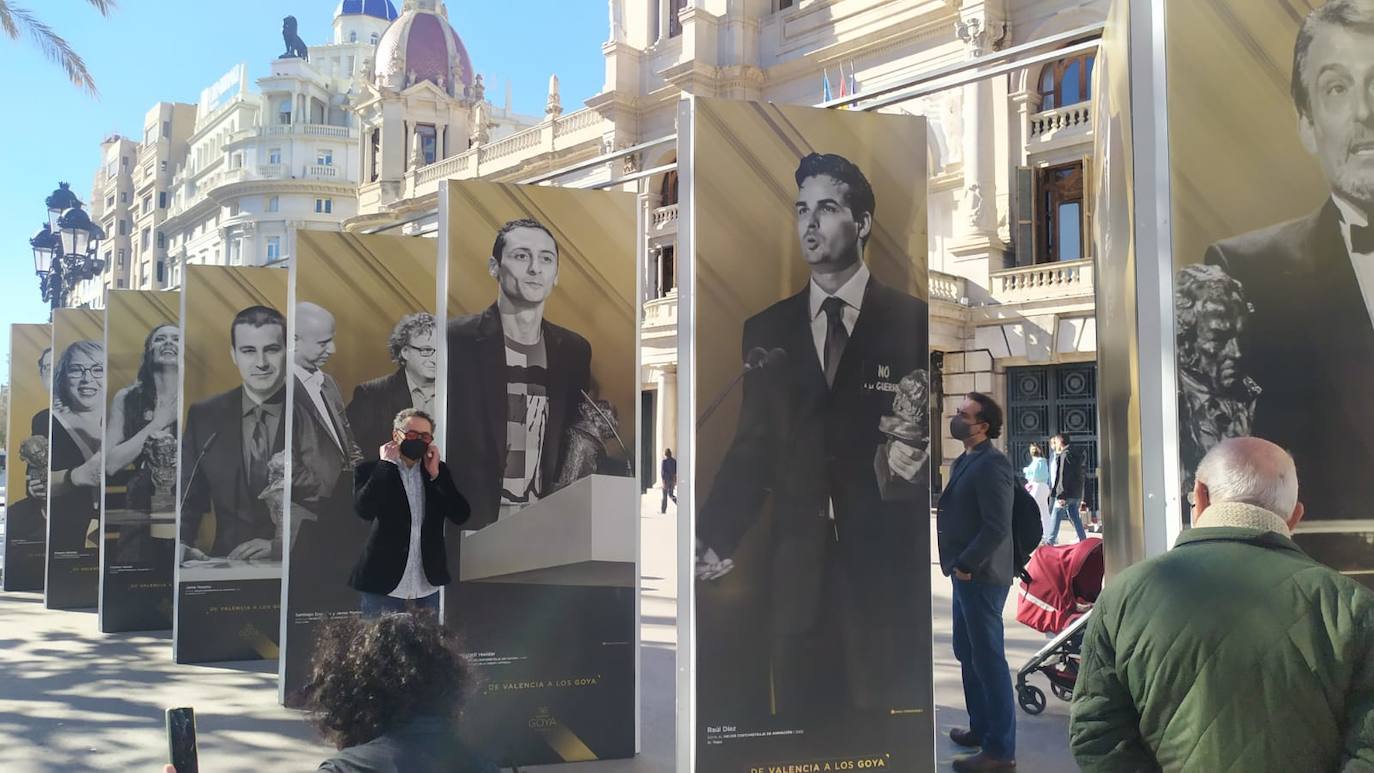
(846, 501)
(974, 533)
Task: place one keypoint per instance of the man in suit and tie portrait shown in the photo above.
(413, 347)
(515, 380)
(228, 444)
(324, 447)
(1309, 341)
(846, 499)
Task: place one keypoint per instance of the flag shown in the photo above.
(853, 80)
(825, 85)
(844, 83)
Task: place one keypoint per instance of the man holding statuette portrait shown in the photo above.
(1309, 342)
(833, 435)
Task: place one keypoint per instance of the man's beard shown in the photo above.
(1356, 185)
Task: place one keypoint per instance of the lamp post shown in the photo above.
(64, 249)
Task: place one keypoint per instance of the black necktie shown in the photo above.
(259, 450)
(835, 336)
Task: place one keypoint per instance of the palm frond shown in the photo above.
(7, 24)
(103, 7)
(14, 19)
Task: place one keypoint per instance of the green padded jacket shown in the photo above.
(1233, 653)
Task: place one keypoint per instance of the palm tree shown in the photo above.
(15, 21)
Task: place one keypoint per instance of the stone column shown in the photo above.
(665, 413)
(977, 223)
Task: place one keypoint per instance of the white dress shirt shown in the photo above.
(414, 584)
(1362, 262)
(313, 380)
(852, 293)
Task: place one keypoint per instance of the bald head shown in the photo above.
(1252, 471)
(314, 336)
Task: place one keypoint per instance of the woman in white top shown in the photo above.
(1037, 475)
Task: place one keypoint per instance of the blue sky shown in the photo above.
(154, 50)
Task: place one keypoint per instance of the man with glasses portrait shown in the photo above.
(375, 403)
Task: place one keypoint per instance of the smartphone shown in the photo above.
(181, 740)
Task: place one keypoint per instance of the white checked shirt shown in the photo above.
(414, 584)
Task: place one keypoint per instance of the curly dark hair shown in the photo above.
(988, 411)
(369, 676)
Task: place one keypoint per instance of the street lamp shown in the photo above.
(64, 249)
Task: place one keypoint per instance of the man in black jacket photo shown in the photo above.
(1066, 487)
(846, 500)
(412, 346)
(974, 528)
(515, 381)
(406, 495)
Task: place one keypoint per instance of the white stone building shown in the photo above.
(111, 207)
(1011, 280)
(364, 133)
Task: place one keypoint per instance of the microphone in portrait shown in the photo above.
(755, 359)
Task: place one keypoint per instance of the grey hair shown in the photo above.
(1253, 471)
(399, 423)
(1355, 15)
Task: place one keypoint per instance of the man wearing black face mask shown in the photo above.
(974, 528)
(406, 495)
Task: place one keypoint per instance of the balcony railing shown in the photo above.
(1045, 282)
(323, 171)
(1075, 119)
(566, 131)
(948, 288)
(664, 217)
(661, 312)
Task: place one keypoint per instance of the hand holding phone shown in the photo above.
(181, 740)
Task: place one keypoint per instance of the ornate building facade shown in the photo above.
(361, 135)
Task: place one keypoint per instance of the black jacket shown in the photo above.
(380, 497)
(1066, 474)
(214, 436)
(974, 520)
(374, 407)
(425, 744)
(1309, 345)
(476, 431)
(800, 444)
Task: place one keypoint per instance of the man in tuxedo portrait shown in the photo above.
(515, 380)
(846, 500)
(375, 403)
(323, 445)
(1309, 341)
(228, 444)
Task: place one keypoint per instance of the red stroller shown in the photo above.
(1065, 581)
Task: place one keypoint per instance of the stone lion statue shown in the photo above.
(295, 47)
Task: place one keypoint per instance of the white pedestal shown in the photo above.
(581, 535)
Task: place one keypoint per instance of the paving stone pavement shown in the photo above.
(72, 699)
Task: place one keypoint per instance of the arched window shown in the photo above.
(373, 39)
(1066, 82)
(353, 36)
(668, 190)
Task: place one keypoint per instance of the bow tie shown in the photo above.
(1362, 239)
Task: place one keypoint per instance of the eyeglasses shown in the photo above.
(423, 351)
(81, 371)
(413, 435)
